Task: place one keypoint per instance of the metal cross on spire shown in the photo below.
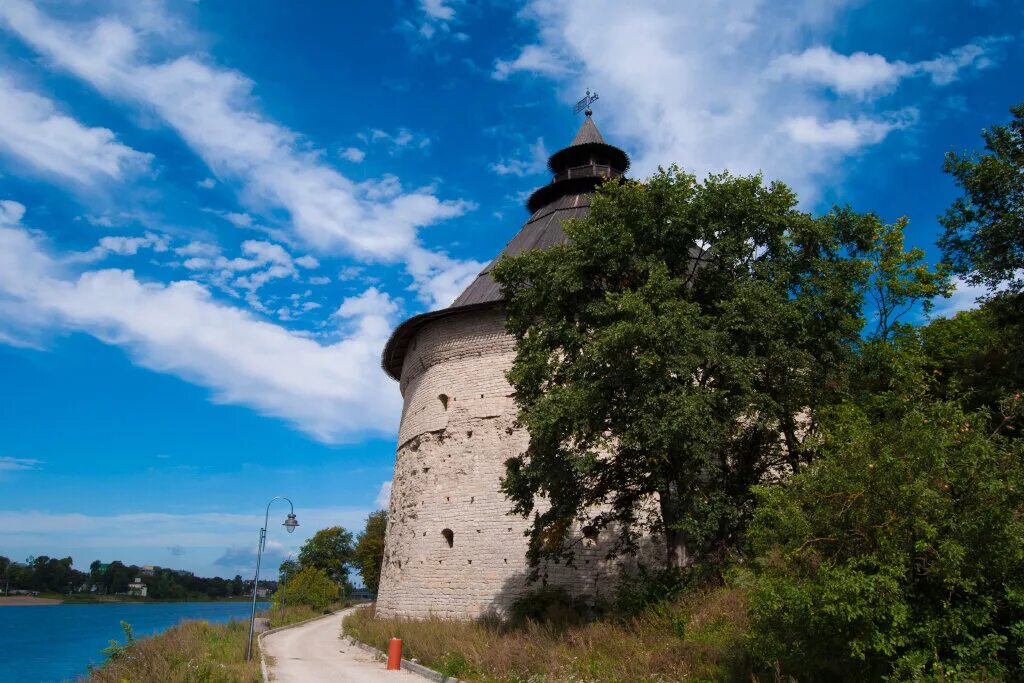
(585, 103)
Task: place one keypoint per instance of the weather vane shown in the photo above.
(585, 103)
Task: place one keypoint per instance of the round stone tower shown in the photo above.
(452, 549)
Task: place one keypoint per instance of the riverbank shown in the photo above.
(90, 599)
(195, 651)
(26, 600)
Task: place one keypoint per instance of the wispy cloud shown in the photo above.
(383, 499)
(10, 464)
(34, 131)
(333, 392)
(215, 113)
(535, 161)
(864, 75)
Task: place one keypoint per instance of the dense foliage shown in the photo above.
(329, 549)
(310, 586)
(984, 237)
(899, 552)
(664, 352)
(48, 574)
(369, 550)
(746, 381)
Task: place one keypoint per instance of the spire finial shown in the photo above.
(584, 104)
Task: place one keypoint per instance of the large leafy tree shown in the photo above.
(329, 549)
(369, 550)
(984, 229)
(897, 554)
(665, 349)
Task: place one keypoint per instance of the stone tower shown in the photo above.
(452, 549)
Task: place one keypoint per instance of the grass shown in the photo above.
(698, 638)
(195, 652)
(192, 652)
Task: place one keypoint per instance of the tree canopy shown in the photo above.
(984, 229)
(664, 350)
(329, 549)
(369, 550)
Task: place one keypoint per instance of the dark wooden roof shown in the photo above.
(567, 196)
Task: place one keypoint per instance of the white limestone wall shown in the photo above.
(456, 434)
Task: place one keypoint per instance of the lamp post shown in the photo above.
(289, 523)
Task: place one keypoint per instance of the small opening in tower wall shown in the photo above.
(590, 532)
(443, 398)
(449, 537)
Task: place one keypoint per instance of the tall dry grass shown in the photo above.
(699, 638)
(191, 652)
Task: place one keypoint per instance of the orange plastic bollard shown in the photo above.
(395, 654)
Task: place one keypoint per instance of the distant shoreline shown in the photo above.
(24, 600)
(77, 599)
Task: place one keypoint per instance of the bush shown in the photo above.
(640, 590)
(551, 606)
(898, 554)
(311, 587)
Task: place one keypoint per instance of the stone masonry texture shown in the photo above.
(452, 548)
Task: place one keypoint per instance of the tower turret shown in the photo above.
(452, 548)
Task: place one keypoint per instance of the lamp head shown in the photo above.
(291, 522)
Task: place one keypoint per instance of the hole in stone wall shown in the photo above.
(590, 532)
(481, 395)
(469, 433)
(443, 398)
(424, 533)
(472, 498)
(470, 561)
(508, 430)
(506, 560)
(449, 537)
(425, 470)
(447, 499)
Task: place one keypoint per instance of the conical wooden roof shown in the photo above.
(577, 169)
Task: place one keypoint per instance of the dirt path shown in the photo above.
(314, 652)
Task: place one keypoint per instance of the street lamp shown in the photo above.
(290, 523)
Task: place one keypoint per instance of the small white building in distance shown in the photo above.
(137, 588)
(452, 550)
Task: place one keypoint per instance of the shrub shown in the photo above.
(311, 586)
(551, 606)
(639, 590)
(898, 554)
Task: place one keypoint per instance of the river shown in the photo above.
(58, 642)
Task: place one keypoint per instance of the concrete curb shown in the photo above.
(259, 637)
(408, 664)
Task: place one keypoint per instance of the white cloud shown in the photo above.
(333, 392)
(214, 111)
(207, 183)
(964, 298)
(383, 499)
(859, 73)
(401, 140)
(241, 220)
(846, 134)
(535, 59)
(536, 162)
(862, 74)
(33, 130)
(353, 154)
(692, 83)
(435, 19)
(372, 301)
(9, 464)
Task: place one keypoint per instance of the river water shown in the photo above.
(58, 642)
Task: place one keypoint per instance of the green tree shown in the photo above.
(666, 347)
(287, 569)
(311, 586)
(369, 550)
(329, 549)
(984, 229)
(897, 553)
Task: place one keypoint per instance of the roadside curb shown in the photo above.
(408, 664)
(259, 637)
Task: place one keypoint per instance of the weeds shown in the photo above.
(699, 636)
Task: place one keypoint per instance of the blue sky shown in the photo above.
(213, 213)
